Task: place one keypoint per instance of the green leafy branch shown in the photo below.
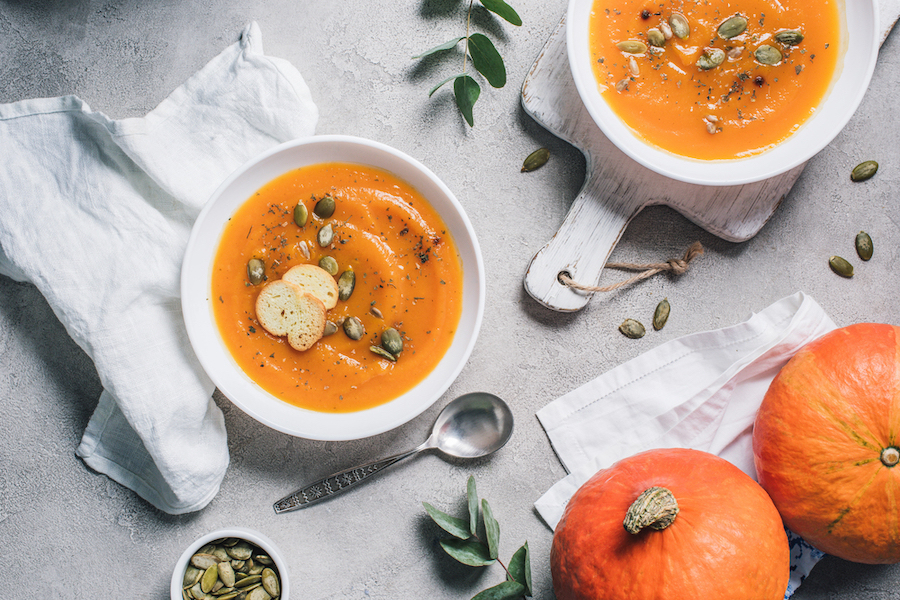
(484, 56)
(467, 547)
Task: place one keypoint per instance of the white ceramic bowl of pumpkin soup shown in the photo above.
(722, 93)
(403, 256)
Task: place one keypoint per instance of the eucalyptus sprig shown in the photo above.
(474, 550)
(484, 56)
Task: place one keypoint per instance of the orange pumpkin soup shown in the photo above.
(408, 276)
(718, 79)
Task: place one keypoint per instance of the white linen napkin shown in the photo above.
(699, 391)
(97, 212)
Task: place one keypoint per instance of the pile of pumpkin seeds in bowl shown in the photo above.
(231, 569)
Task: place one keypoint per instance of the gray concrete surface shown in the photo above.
(67, 532)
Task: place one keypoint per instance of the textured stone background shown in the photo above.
(70, 533)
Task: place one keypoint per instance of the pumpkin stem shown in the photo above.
(655, 507)
(890, 456)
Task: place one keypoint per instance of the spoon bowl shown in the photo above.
(471, 426)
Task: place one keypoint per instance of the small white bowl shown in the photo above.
(254, 537)
(860, 40)
(196, 275)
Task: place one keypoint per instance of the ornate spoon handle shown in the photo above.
(331, 485)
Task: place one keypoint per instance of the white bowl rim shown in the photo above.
(792, 152)
(252, 536)
(280, 415)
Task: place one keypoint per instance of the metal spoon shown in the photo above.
(471, 426)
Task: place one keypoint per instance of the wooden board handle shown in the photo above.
(582, 245)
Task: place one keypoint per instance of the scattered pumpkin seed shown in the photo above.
(392, 341)
(864, 245)
(661, 314)
(840, 266)
(711, 58)
(632, 47)
(383, 353)
(536, 160)
(303, 249)
(256, 271)
(789, 37)
(325, 207)
(330, 329)
(680, 26)
(864, 170)
(376, 312)
(354, 328)
(632, 329)
(768, 55)
(329, 264)
(300, 214)
(732, 27)
(325, 235)
(656, 37)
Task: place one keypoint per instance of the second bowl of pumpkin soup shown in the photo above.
(397, 304)
(726, 92)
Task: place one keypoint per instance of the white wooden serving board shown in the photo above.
(617, 188)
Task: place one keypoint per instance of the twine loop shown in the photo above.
(676, 266)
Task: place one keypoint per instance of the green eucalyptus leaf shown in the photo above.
(466, 91)
(508, 590)
(491, 529)
(449, 45)
(487, 60)
(468, 552)
(472, 495)
(453, 525)
(520, 568)
(438, 86)
(502, 9)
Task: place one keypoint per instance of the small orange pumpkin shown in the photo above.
(826, 443)
(676, 524)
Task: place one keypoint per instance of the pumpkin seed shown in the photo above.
(220, 553)
(768, 55)
(840, 266)
(230, 595)
(325, 235)
(536, 160)
(264, 559)
(330, 329)
(258, 594)
(301, 215)
(354, 328)
(191, 576)
(256, 271)
(632, 47)
(666, 30)
(392, 341)
(210, 576)
(732, 27)
(198, 593)
(270, 582)
(303, 249)
(864, 245)
(346, 283)
(680, 26)
(325, 207)
(632, 329)
(204, 561)
(633, 67)
(656, 37)
(711, 58)
(789, 37)
(226, 573)
(864, 170)
(661, 314)
(329, 264)
(248, 581)
(383, 353)
(240, 551)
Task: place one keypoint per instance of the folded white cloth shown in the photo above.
(700, 391)
(97, 212)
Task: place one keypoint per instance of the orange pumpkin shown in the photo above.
(676, 524)
(826, 443)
